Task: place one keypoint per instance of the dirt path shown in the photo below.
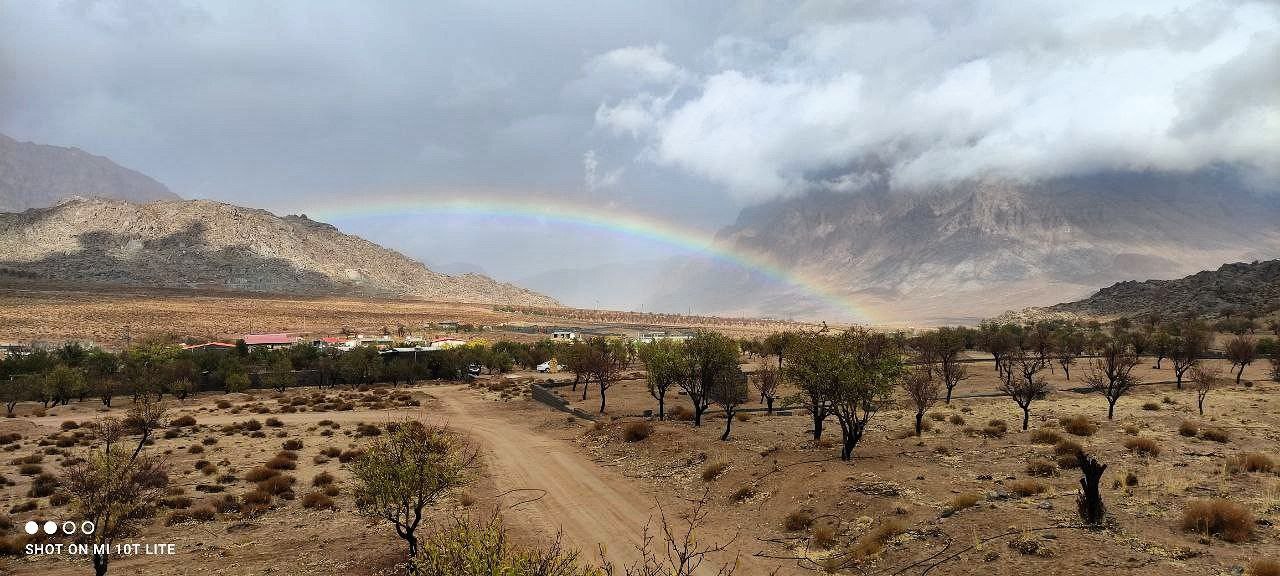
(591, 504)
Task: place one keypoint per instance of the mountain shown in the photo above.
(969, 250)
(36, 176)
(204, 244)
(1231, 289)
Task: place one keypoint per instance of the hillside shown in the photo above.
(37, 176)
(1231, 289)
(969, 250)
(204, 244)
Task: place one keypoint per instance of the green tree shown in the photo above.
(407, 470)
(237, 382)
(664, 362)
(62, 383)
(853, 374)
(729, 391)
(1186, 350)
(710, 357)
(1241, 351)
(280, 374)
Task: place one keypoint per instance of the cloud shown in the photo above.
(1025, 90)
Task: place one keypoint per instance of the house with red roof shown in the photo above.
(269, 341)
(210, 346)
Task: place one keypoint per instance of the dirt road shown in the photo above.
(591, 504)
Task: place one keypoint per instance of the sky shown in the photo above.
(679, 111)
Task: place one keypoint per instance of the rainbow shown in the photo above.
(538, 208)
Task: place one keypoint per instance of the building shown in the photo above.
(651, 337)
(564, 335)
(213, 346)
(269, 341)
(446, 343)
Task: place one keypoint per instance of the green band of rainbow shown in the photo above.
(627, 224)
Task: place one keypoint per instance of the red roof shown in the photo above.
(259, 339)
(208, 345)
(333, 340)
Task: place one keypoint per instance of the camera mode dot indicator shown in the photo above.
(32, 527)
(50, 527)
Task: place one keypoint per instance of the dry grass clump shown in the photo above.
(1218, 517)
(260, 473)
(875, 540)
(960, 502)
(1132, 429)
(277, 485)
(1152, 406)
(30, 469)
(283, 462)
(1249, 462)
(636, 431)
(1078, 425)
(332, 451)
(322, 479)
(1143, 445)
(1188, 429)
(1216, 434)
(43, 485)
(742, 494)
(1045, 436)
(1264, 567)
(714, 470)
(1068, 461)
(318, 501)
(956, 419)
(256, 498)
(293, 444)
(995, 429)
(184, 420)
(798, 520)
(681, 413)
(349, 455)
(195, 449)
(1067, 446)
(1041, 467)
(824, 536)
(1027, 487)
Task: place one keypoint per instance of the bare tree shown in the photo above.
(682, 551)
(1203, 379)
(767, 379)
(111, 488)
(1089, 499)
(1186, 350)
(405, 471)
(1241, 351)
(729, 391)
(1070, 345)
(1021, 381)
(922, 393)
(605, 362)
(1111, 373)
(144, 417)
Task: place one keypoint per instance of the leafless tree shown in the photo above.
(1111, 373)
(1186, 350)
(923, 391)
(1089, 499)
(1203, 379)
(729, 392)
(144, 417)
(1241, 351)
(767, 379)
(605, 362)
(1021, 381)
(682, 552)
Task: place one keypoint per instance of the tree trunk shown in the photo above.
(950, 387)
(1066, 371)
(1200, 404)
(769, 402)
(100, 562)
(662, 414)
(602, 399)
(576, 378)
(728, 423)
(1111, 409)
(919, 423)
(1026, 417)
(585, 387)
(1089, 500)
(1239, 373)
(698, 409)
(817, 426)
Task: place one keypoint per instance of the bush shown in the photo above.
(349, 455)
(27, 506)
(714, 470)
(463, 547)
(293, 444)
(318, 501)
(1045, 436)
(256, 498)
(69, 425)
(681, 413)
(636, 431)
(875, 540)
(332, 451)
(1067, 446)
(203, 513)
(1143, 445)
(1250, 462)
(30, 469)
(1078, 425)
(209, 441)
(42, 485)
(187, 420)
(253, 425)
(742, 494)
(1217, 517)
(1264, 567)
(1041, 467)
(960, 502)
(1188, 428)
(274, 422)
(177, 517)
(1027, 487)
(322, 479)
(281, 463)
(1130, 479)
(995, 429)
(223, 404)
(1131, 429)
(195, 449)
(956, 419)
(59, 499)
(1068, 461)
(277, 485)
(798, 520)
(260, 473)
(824, 536)
(1153, 406)
(176, 502)
(1216, 434)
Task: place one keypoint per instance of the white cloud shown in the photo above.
(1018, 89)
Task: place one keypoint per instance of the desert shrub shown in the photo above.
(1067, 446)
(1027, 487)
(209, 441)
(1249, 462)
(172, 433)
(21, 507)
(203, 513)
(824, 536)
(177, 517)
(873, 542)
(798, 520)
(69, 425)
(995, 428)
(1068, 461)
(960, 502)
(1078, 425)
(714, 470)
(1130, 479)
(1041, 467)
(1220, 518)
(333, 490)
(956, 419)
(681, 413)
(1045, 436)
(253, 425)
(636, 431)
(277, 485)
(6, 439)
(274, 422)
(1131, 429)
(30, 469)
(223, 404)
(318, 501)
(195, 449)
(1153, 406)
(322, 479)
(59, 499)
(209, 469)
(293, 444)
(186, 420)
(332, 451)
(363, 429)
(260, 473)
(42, 485)
(225, 504)
(1143, 445)
(176, 501)
(937, 416)
(1264, 567)
(281, 463)
(34, 458)
(742, 494)
(65, 441)
(1188, 428)
(1216, 434)
(256, 498)
(349, 455)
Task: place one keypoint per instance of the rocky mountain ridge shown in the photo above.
(38, 176)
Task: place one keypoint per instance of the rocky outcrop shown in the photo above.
(38, 176)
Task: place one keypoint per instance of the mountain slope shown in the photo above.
(204, 244)
(36, 176)
(1232, 288)
(974, 249)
